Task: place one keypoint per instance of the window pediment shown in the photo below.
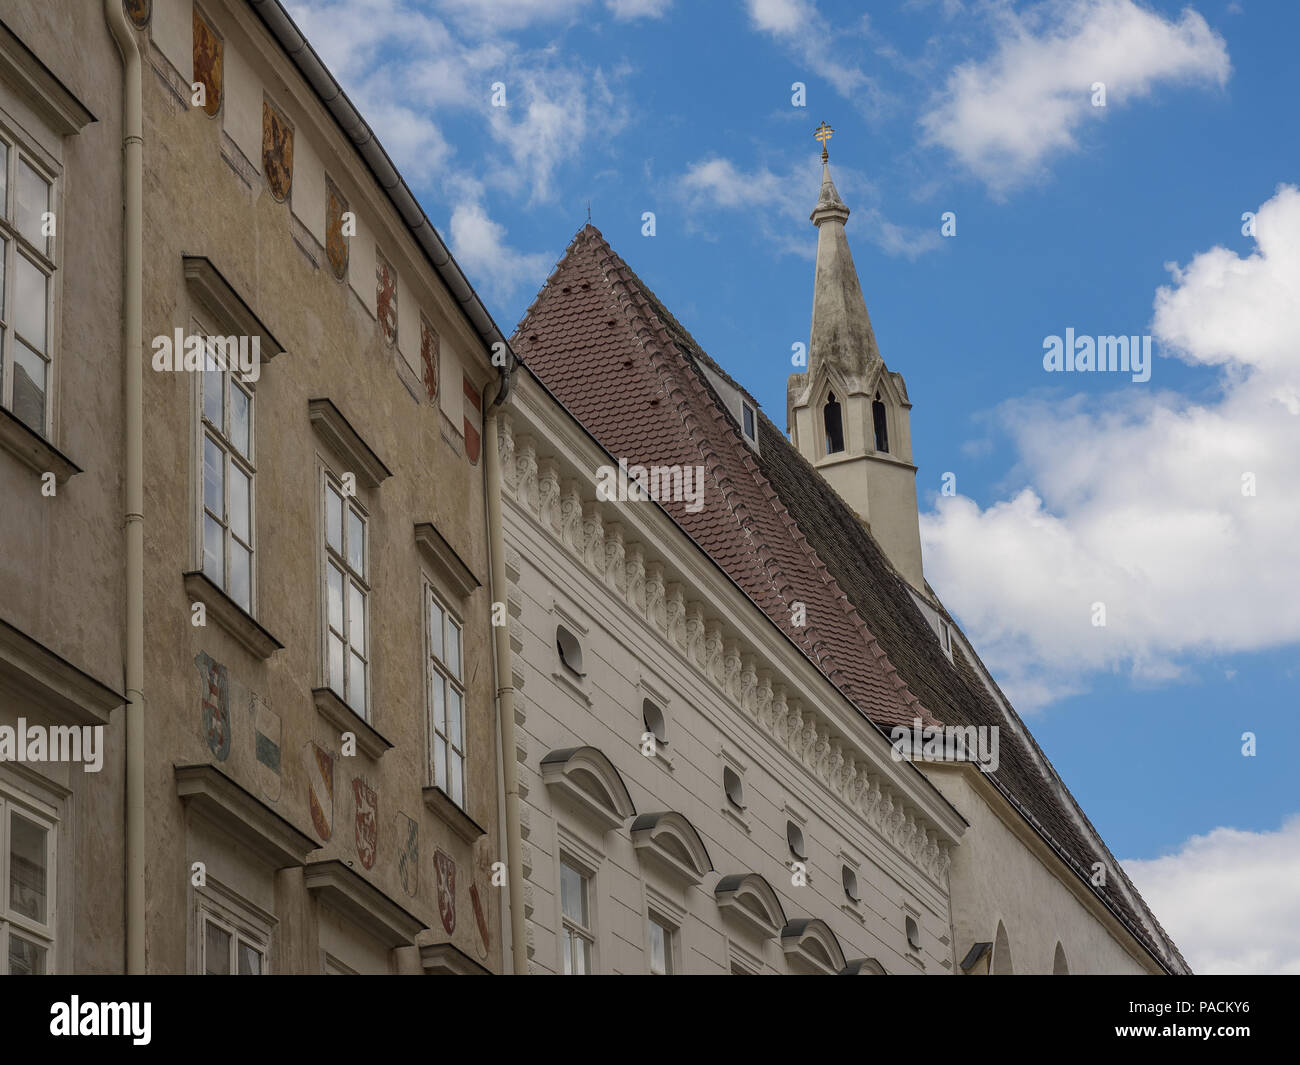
(589, 780)
(810, 944)
(673, 841)
(750, 899)
(863, 967)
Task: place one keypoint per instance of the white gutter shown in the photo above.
(133, 366)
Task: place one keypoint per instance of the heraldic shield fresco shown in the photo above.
(277, 151)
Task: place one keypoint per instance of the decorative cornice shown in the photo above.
(333, 428)
(212, 795)
(435, 549)
(38, 85)
(218, 293)
(359, 900)
(32, 671)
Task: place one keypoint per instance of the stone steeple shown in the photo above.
(841, 334)
(848, 414)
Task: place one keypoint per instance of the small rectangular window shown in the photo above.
(446, 709)
(576, 935)
(27, 270)
(227, 949)
(749, 421)
(26, 890)
(347, 596)
(662, 937)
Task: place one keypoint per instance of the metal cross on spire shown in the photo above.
(823, 134)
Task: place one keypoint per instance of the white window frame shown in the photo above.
(445, 677)
(671, 931)
(239, 936)
(230, 455)
(570, 928)
(42, 934)
(329, 556)
(46, 262)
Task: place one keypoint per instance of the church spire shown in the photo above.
(841, 334)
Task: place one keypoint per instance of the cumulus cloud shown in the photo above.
(1229, 899)
(813, 39)
(1143, 505)
(780, 202)
(494, 267)
(1005, 117)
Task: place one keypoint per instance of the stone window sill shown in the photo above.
(345, 719)
(230, 615)
(33, 450)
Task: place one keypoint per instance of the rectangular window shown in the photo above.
(26, 286)
(662, 935)
(227, 474)
(748, 424)
(227, 949)
(576, 935)
(27, 886)
(446, 700)
(347, 596)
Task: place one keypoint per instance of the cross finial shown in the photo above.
(823, 134)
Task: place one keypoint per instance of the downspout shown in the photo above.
(495, 393)
(132, 314)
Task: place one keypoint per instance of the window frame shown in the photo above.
(437, 671)
(238, 933)
(330, 481)
(750, 414)
(571, 929)
(43, 934)
(46, 261)
(671, 931)
(222, 438)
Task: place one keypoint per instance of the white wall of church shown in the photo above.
(996, 878)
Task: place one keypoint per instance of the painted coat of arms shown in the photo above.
(445, 869)
(217, 726)
(277, 151)
(320, 788)
(386, 300)
(266, 745)
(408, 858)
(429, 358)
(478, 893)
(207, 64)
(336, 240)
(367, 824)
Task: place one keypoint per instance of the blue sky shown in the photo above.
(1073, 488)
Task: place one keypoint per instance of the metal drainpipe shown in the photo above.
(493, 394)
(132, 347)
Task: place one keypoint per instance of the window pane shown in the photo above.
(27, 845)
(435, 628)
(334, 519)
(357, 685)
(214, 463)
(29, 302)
(29, 387)
(356, 618)
(453, 716)
(657, 948)
(239, 418)
(440, 762)
(214, 556)
(356, 542)
(336, 666)
(212, 384)
(582, 963)
(241, 577)
(4, 248)
(216, 950)
(32, 200)
(457, 774)
(566, 948)
(25, 959)
(250, 960)
(573, 894)
(453, 648)
(334, 582)
(4, 177)
(240, 503)
(439, 704)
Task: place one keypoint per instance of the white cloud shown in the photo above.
(1139, 504)
(494, 267)
(1229, 899)
(813, 39)
(780, 204)
(1006, 117)
(630, 9)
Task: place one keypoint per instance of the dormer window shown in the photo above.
(834, 425)
(749, 422)
(881, 427)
